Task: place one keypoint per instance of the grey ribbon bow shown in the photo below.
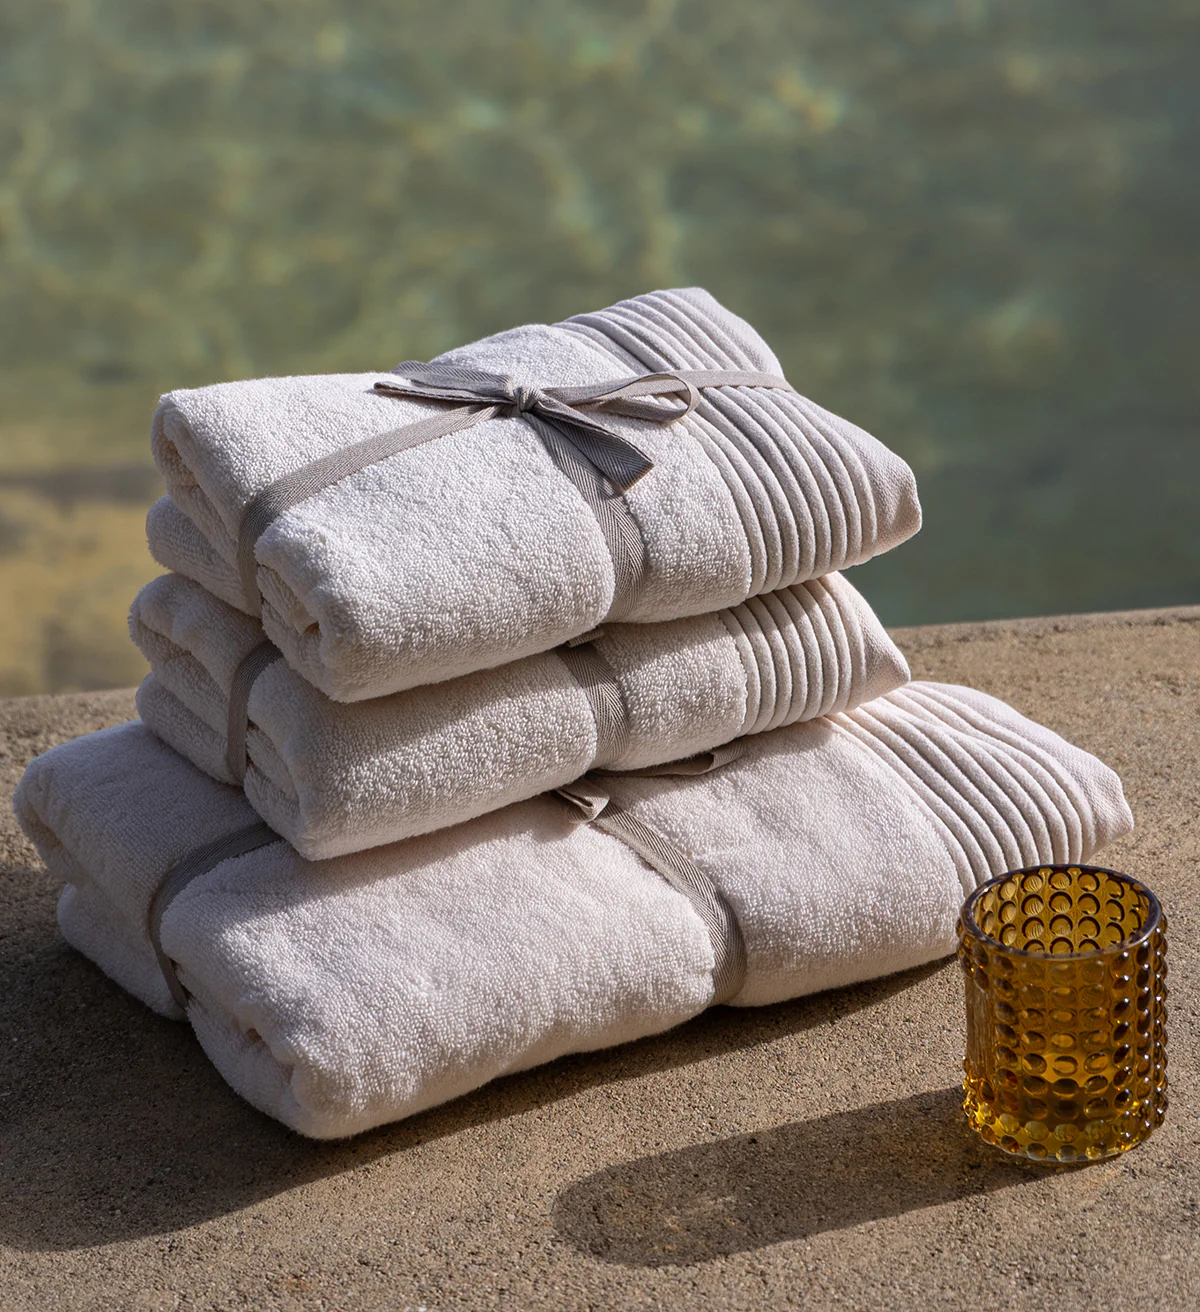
(574, 411)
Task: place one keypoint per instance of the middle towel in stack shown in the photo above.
(334, 778)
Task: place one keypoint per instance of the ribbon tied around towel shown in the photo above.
(583, 661)
(601, 461)
(592, 802)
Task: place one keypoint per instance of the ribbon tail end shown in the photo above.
(623, 482)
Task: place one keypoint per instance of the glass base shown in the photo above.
(1067, 1143)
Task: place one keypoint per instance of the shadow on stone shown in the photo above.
(114, 1125)
(797, 1180)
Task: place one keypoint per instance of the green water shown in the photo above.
(968, 226)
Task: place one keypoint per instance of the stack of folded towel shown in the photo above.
(513, 705)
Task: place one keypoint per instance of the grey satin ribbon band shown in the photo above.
(197, 863)
(595, 676)
(601, 462)
(621, 532)
(249, 668)
(592, 800)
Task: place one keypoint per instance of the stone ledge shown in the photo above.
(808, 1154)
(920, 637)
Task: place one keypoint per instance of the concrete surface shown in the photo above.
(805, 1155)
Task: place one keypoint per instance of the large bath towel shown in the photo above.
(341, 994)
(333, 777)
(508, 538)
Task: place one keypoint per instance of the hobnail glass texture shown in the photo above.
(1065, 974)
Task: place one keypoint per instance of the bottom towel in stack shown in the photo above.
(343, 994)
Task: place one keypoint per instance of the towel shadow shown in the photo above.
(113, 1124)
(795, 1181)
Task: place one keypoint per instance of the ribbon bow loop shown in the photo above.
(450, 382)
(626, 398)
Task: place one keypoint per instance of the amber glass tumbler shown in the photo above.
(1066, 1012)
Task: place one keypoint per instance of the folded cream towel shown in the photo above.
(342, 994)
(482, 546)
(333, 777)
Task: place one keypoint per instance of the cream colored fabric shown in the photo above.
(335, 777)
(475, 550)
(342, 994)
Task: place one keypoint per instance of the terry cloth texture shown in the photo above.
(342, 994)
(475, 549)
(334, 778)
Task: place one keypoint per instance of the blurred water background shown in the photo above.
(968, 226)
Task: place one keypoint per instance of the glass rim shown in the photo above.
(1152, 921)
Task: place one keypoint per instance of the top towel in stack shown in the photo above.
(546, 511)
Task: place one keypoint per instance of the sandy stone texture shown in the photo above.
(804, 1155)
